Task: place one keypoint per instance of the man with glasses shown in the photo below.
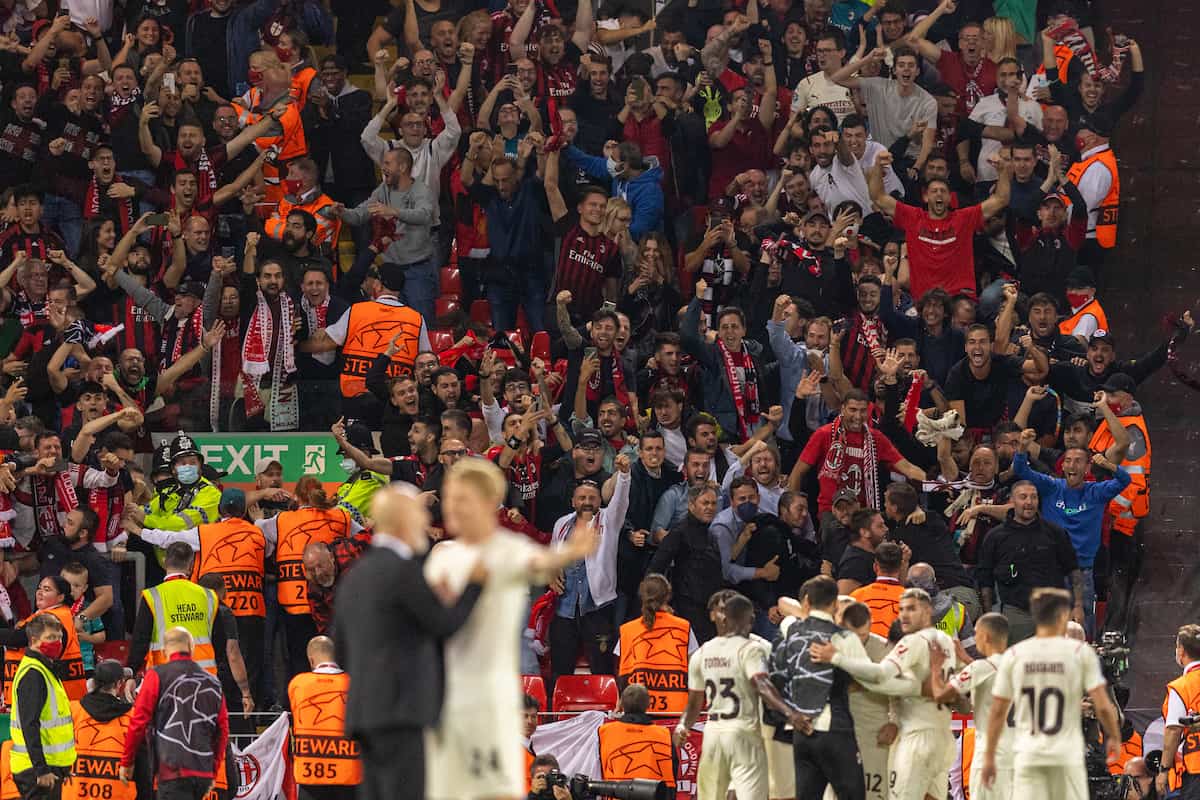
(819, 89)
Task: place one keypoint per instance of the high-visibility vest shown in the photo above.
(322, 753)
(1134, 502)
(1090, 307)
(72, 659)
(298, 529)
(952, 621)
(1106, 219)
(179, 603)
(657, 658)
(369, 330)
(55, 732)
(967, 744)
(1130, 748)
(291, 142)
(1062, 58)
(883, 598)
(629, 751)
(98, 747)
(236, 550)
(301, 80)
(1187, 686)
(529, 756)
(328, 229)
(8, 787)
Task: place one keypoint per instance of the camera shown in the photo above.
(1113, 652)
(584, 788)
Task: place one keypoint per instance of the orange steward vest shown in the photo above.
(657, 658)
(328, 229)
(298, 529)
(8, 787)
(1130, 748)
(236, 550)
(322, 754)
(1106, 219)
(371, 326)
(301, 80)
(1188, 688)
(72, 660)
(629, 751)
(883, 598)
(966, 743)
(99, 747)
(1133, 503)
(291, 142)
(1090, 307)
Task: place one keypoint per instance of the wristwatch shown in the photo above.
(514, 442)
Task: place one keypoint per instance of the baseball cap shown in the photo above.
(1119, 382)
(193, 288)
(1053, 197)
(589, 438)
(1098, 122)
(264, 464)
(233, 502)
(817, 213)
(845, 495)
(1100, 336)
(109, 671)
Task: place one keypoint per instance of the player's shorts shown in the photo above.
(731, 759)
(921, 762)
(781, 767)
(474, 754)
(875, 766)
(1060, 782)
(1002, 787)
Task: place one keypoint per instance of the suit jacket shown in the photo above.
(387, 627)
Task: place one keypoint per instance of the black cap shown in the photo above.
(1119, 382)
(109, 672)
(1101, 336)
(233, 503)
(845, 495)
(816, 212)
(1098, 122)
(359, 435)
(1080, 278)
(184, 445)
(193, 288)
(589, 437)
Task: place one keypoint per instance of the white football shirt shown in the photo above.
(911, 657)
(1045, 678)
(483, 656)
(723, 668)
(976, 681)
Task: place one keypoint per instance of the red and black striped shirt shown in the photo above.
(584, 263)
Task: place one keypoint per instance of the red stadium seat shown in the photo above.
(441, 339)
(446, 305)
(481, 311)
(539, 347)
(451, 282)
(585, 693)
(535, 687)
(117, 649)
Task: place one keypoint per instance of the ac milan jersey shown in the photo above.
(584, 263)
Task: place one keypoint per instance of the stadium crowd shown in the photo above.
(761, 291)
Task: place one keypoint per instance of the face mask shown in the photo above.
(1115, 407)
(1077, 299)
(1080, 144)
(348, 465)
(291, 187)
(930, 587)
(746, 511)
(51, 650)
(254, 76)
(187, 474)
(284, 53)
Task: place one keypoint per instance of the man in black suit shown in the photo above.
(387, 625)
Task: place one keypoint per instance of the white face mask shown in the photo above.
(348, 465)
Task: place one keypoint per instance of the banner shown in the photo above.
(261, 766)
(301, 454)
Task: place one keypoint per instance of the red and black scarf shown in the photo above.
(92, 204)
(745, 391)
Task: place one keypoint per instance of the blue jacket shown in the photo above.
(1077, 511)
(643, 193)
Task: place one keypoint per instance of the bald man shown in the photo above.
(182, 693)
(326, 763)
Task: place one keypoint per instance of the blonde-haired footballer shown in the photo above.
(475, 751)
(1043, 678)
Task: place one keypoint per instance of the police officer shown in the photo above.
(633, 746)
(43, 737)
(1183, 700)
(235, 549)
(355, 494)
(325, 762)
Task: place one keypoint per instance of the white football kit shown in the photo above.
(925, 750)
(976, 681)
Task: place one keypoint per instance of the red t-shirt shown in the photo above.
(850, 471)
(940, 251)
(750, 148)
(971, 85)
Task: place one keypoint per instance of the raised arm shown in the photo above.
(584, 25)
(879, 196)
(150, 150)
(554, 198)
(521, 32)
(998, 201)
